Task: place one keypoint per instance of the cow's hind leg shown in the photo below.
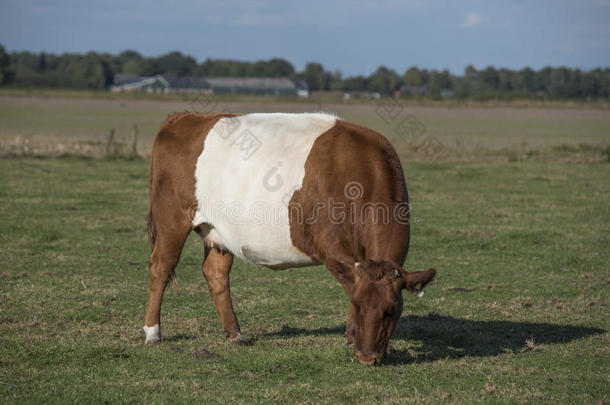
(216, 269)
(168, 240)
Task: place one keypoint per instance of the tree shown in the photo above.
(413, 77)
(504, 81)
(489, 79)
(461, 87)
(542, 80)
(384, 80)
(129, 62)
(517, 82)
(336, 80)
(529, 80)
(314, 76)
(6, 74)
(354, 83)
(96, 71)
(559, 83)
(175, 64)
(223, 67)
(470, 73)
(435, 83)
(128, 55)
(25, 67)
(604, 82)
(132, 67)
(439, 81)
(279, 68)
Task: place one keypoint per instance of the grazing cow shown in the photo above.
(283, 190)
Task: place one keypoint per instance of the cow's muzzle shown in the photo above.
(369, 359)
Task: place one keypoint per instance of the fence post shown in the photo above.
(110, 148)
(134, 147)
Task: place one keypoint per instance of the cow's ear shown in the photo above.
(416, 280)
(344, 273)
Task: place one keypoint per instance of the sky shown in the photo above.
(354, 36)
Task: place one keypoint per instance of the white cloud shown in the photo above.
(471, 20)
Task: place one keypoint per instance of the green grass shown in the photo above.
(519, 312)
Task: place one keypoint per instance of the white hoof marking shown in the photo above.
(153, 333)
(239, 338)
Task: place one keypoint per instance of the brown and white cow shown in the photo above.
(283, 190)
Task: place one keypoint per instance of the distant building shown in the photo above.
(446, 93)
(413, 90)
(188, 84)
(129, 83)
(275, 86)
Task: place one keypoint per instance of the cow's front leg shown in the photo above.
(216, 269)
(344, 273)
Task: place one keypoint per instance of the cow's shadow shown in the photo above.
(437, 337)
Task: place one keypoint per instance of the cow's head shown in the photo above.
(375, 290)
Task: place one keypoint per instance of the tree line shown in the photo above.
(97, 70)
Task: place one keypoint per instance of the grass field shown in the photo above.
(519, 312)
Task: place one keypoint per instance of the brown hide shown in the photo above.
(350, 154)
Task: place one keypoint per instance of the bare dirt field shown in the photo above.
(56, 124)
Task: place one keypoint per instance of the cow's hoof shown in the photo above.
(153, 334)
(241, 340)
(350, 340)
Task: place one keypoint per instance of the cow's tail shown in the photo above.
(152, 232)
(150, 220)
